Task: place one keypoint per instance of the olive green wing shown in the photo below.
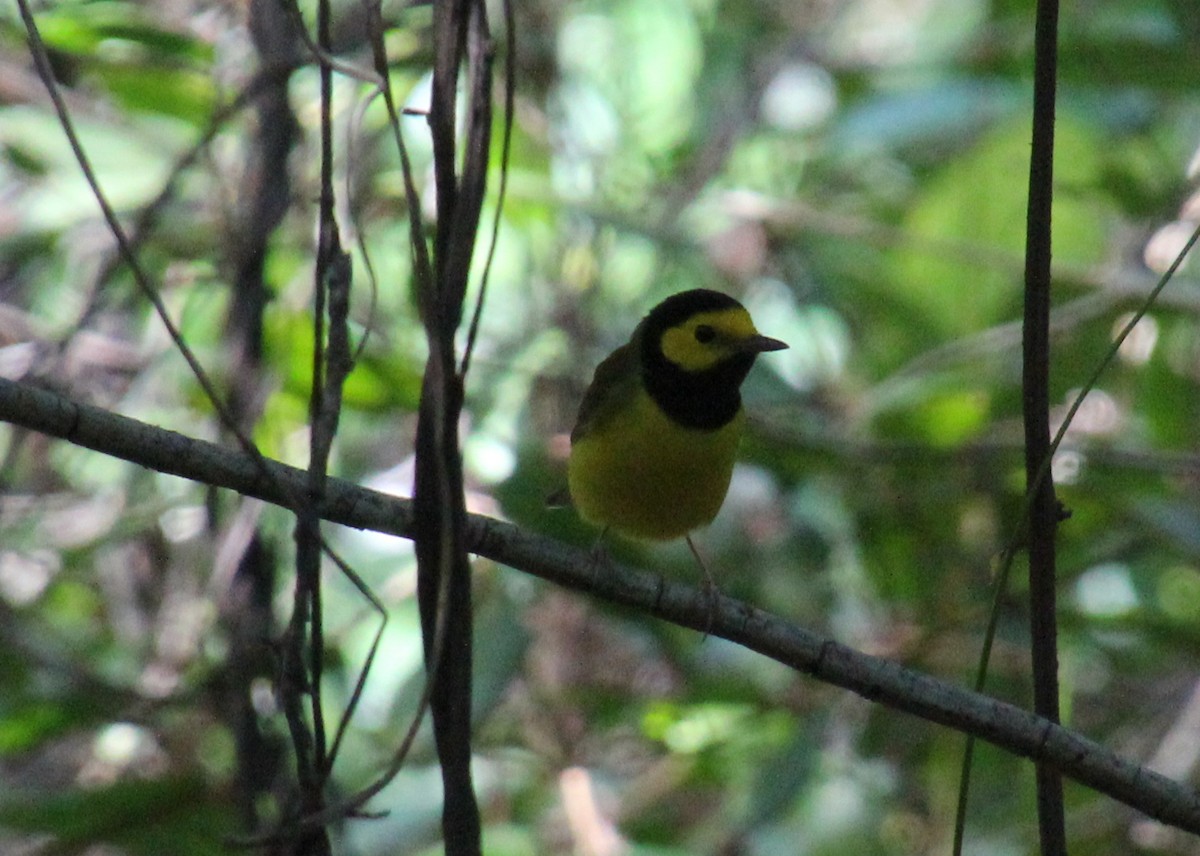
(613, 387)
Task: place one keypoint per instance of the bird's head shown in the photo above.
(700, 330)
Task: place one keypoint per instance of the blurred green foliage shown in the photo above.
(855, 172)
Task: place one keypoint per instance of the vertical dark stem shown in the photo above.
(323, 423)
(1043, 521)
(443, 569)
(450, 32)
(444, 596)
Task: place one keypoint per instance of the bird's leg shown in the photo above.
(600, 554)
(599, 551)
(711, 590)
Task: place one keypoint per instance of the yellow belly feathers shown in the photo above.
(647, 477)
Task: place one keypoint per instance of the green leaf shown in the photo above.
(178, 92)
(176, 815)
(961, 262)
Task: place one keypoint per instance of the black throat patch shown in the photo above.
(706, 400)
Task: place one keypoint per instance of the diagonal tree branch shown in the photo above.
(999, 723)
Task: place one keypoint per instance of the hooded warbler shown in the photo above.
(654, 443)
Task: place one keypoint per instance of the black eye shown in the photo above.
(705, 334)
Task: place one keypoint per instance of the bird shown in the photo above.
(654, 442)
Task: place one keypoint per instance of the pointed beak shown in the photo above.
(757, 344)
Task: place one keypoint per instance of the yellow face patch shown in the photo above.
(707, 338)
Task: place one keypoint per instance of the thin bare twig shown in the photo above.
(510, 87)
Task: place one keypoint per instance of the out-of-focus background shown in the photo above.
(854, 171)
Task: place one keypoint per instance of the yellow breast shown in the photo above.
(647, 477)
